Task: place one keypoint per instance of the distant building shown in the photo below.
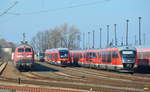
(7, 50)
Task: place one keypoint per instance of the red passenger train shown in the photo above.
(119, 59)
(24, 56)
(58, 56)
(75, 56)
(143, 58)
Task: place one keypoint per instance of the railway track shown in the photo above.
(75, 78)
(99, 78)
(104, 74)
(122, 76)
(2, 66)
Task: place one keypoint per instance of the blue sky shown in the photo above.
(91, 15)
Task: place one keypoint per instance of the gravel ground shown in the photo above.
(77, 78)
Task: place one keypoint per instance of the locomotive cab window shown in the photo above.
(27, 50)
(20, 50)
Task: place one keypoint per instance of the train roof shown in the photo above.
(127, 48)
(24, 45)
(56, 49)
(143, 46)
(114, 48)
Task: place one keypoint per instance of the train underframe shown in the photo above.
(24, 65)
(120, 68)
(60, 63)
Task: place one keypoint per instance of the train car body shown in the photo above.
(58, 56)
(76, 55)
(143, 58)
(24, 56)
(119, 59)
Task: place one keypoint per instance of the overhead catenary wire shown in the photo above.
(62, 8)
(6, 11)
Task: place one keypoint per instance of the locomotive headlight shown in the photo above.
(20, 56)
(29, 56)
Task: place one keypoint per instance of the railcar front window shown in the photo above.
(41, 55)
(128, 54)
(20, 50)
(63, 54)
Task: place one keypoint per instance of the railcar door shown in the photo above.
(115, 58)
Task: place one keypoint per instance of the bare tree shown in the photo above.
(58, 37)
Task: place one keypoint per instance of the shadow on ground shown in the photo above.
(39, 68)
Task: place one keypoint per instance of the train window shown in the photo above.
(81, 55)
(55, 56)
(27, 50)
(84, 55)
(50, 56)
(87, 55)
(114, 54)
(94, 55)
(106, 57)
(99, 54)
(64, 53)
(20, 50)
(91, 55)
(145, 55)
(70, 54)
(128, 54)
(109, 57)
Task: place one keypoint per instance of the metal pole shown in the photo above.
(78, 42)
(107, 35)
(100, 38)
(144, 39)
(140, 30)
(135, 40)
(88, 40)
(122, 42)
(24, 36)
(115, 34)
(93, 39)
(127, 33)
(83, 40)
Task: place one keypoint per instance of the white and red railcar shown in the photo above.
(75, 56)
(119, 59)
(58, 56)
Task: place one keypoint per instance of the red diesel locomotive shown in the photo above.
(58, 56)
(24, 56)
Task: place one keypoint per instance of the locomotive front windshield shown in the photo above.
(27, 50)
(64, 53)
(20, 50)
